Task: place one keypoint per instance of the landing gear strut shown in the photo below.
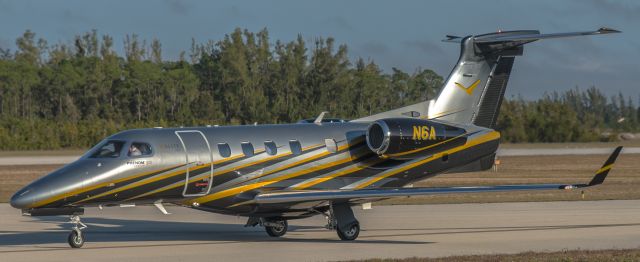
(340, 217)
(76, 238)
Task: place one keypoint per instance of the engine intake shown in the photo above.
(408, 138)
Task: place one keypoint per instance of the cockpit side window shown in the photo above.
(139, 149)
(111, 149)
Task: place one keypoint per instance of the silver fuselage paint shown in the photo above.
(92, 181)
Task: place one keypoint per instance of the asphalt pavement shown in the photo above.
(144, 234)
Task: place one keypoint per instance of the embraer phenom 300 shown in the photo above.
(274, 173)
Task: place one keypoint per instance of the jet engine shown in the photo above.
(409, 138)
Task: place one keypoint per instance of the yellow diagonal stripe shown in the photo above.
(220, 172)
(96, 186)
(424, 148)
(240, 189)
(140, 183)
(482, 139)
(604, 168)
(337, 174)
(103, 184)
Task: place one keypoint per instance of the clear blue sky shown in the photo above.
(402, 34)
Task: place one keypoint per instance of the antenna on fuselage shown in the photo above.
(320, 117)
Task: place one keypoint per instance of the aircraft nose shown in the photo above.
(22, 198)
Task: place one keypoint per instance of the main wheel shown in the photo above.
(75, 239)
(277, 230)
(351, 233)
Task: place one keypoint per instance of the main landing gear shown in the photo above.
(340, 217)
(275, 226)
(76, 238)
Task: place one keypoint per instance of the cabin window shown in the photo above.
(224, 150)
(111, 149)
(270, 147)
(331, 145)
(295, 147)
(247, 149)
(139, 149)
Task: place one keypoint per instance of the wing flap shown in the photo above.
(338, 195)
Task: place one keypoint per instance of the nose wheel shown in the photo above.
(76, 238)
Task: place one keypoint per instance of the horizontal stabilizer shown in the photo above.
(526, 36)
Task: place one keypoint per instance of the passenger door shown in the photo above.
(199, 168)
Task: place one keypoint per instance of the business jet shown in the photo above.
(275, 173)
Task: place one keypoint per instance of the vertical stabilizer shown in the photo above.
(473, 92)
(471, 86)
(476, 86)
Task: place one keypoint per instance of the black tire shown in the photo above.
(351, 233)
(75, 239)
(277, 231)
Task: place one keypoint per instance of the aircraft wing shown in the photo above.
(293, 197)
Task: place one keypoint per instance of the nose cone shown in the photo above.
(22, 198)
(42, 193)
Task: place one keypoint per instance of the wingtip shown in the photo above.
(452, 38)
(607, 30)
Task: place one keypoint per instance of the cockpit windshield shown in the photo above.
(111, 149)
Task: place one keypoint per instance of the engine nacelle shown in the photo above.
(408, 138)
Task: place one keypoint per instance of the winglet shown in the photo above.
(602, 173)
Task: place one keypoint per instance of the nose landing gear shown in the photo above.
(76, 238)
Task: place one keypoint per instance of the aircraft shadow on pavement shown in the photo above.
(104, 230)
(472, 230)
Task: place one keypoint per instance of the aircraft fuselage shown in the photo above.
(217, 168)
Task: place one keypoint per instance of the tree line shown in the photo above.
(572, 116)
(71, 95)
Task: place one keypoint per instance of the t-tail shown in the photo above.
(473, 92)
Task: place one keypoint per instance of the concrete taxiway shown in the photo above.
(144, 234)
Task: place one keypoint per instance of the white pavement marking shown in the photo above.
(143, 234)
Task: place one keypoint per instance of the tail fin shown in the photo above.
(473, 92)
(475, 88)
